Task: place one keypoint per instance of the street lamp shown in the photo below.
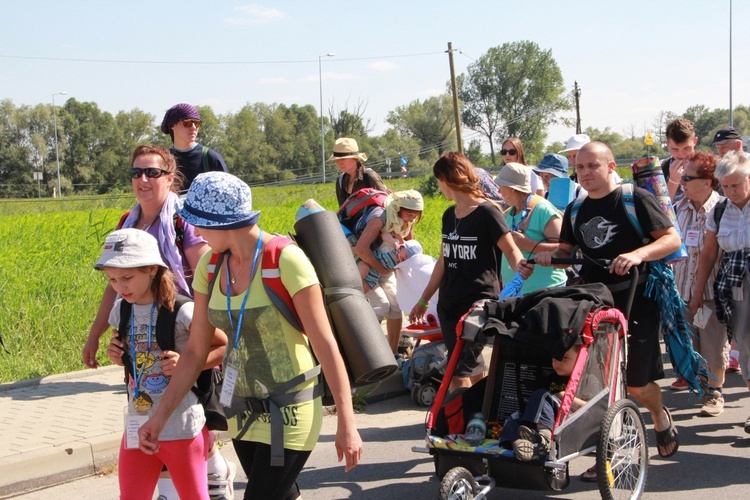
(57, 152)
(322, 131)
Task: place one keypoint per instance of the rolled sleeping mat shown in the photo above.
(647, 174)
(562, 191)
(363, 345)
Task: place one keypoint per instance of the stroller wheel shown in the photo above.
(424, 394)
(622, 452)
(458, 484)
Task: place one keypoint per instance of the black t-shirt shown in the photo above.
(471, 255)
(603, 230)
(190, 163)
(369, 179)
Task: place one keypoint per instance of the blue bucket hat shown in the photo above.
(554, 164)
(218, 200)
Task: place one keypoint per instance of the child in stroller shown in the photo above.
(531, 434)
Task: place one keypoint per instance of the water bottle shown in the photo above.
(476, 430)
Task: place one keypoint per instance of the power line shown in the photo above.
(212, 63)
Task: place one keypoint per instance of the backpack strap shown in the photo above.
(123, 217)
(575, 207)
(271, 276)
(719, 209)
(165, 321)
(629, 201)
(204, 159)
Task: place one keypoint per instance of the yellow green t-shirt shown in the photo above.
(269, 348)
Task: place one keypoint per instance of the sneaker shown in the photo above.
(747, 425)
(533, 444)
(222, 488)
(713, 405)
(679, 385)
(734, 365)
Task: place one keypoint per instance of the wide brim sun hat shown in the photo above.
(576, 142)
(346, 147)
(218, 200)
(553, 164)
(128, 249)
(515, 176)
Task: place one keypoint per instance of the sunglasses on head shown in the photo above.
(508, 152)
(688, 178)
(151, 173)
(189, 123)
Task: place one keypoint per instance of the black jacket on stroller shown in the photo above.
(550, 319)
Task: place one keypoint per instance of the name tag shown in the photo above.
(227, 387)
(692, 237)
(133, 422)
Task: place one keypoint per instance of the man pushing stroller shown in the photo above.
(603, 231)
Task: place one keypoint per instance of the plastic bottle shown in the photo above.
(476, 430)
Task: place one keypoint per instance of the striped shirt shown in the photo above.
(734, 230)
(691, 219)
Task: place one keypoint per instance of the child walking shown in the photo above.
(136, 271)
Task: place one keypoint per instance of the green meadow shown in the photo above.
(49, 291)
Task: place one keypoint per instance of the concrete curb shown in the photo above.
(77, 375)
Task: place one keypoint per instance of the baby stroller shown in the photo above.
(423, 371)
(605, 421)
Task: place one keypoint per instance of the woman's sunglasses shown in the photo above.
(151, 173)
(688, 178)
(511, 152)
(189, 123)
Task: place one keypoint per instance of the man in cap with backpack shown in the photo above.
(182, 122)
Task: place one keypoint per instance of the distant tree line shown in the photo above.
(515, 89)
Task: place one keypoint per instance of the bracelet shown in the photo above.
(673, 182)
(423, 303)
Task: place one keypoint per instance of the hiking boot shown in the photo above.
(679, 385)
(533, 444)
(713, 405)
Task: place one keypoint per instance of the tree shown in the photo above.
(430, 122)
(352, 123)
(513, 90)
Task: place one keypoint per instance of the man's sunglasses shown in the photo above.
(508, 152)
(189, 123)
(688, 178)
(151, 173)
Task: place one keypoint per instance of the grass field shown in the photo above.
(49, 291)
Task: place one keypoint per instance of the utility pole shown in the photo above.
(577, 94)
(456, 113)
(731, 107)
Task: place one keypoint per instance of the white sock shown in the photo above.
(166, 489)
(217, 465)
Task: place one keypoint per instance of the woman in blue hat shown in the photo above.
(266, 357)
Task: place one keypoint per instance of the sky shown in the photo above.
(631, 59)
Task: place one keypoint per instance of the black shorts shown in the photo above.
(644, 350)
(470, 362)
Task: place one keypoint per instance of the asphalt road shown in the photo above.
(713, 461)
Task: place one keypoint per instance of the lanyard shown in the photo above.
(138, 374)
(524, 214)
(241, 314)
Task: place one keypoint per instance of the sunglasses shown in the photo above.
(508, 152)
(688, 178)
(151, 173)
(189, 123)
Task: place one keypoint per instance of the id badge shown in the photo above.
(692, 237)
(133, 422)
(230, 380)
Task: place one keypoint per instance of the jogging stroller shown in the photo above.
(605, 421)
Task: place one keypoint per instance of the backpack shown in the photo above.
(179, 229)
(719, 209)
(355, 206)
(627, 200)
(206, 387)
(280, 297)
(523, 224)
(204, 159)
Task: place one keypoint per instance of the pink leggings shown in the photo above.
(185, 459)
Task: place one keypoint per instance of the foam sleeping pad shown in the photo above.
(361, 341)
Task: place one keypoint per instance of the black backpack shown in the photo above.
(208, 386)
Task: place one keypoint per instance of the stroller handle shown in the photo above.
(634, 275)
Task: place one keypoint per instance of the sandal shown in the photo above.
(667, 437)
(589, 475)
